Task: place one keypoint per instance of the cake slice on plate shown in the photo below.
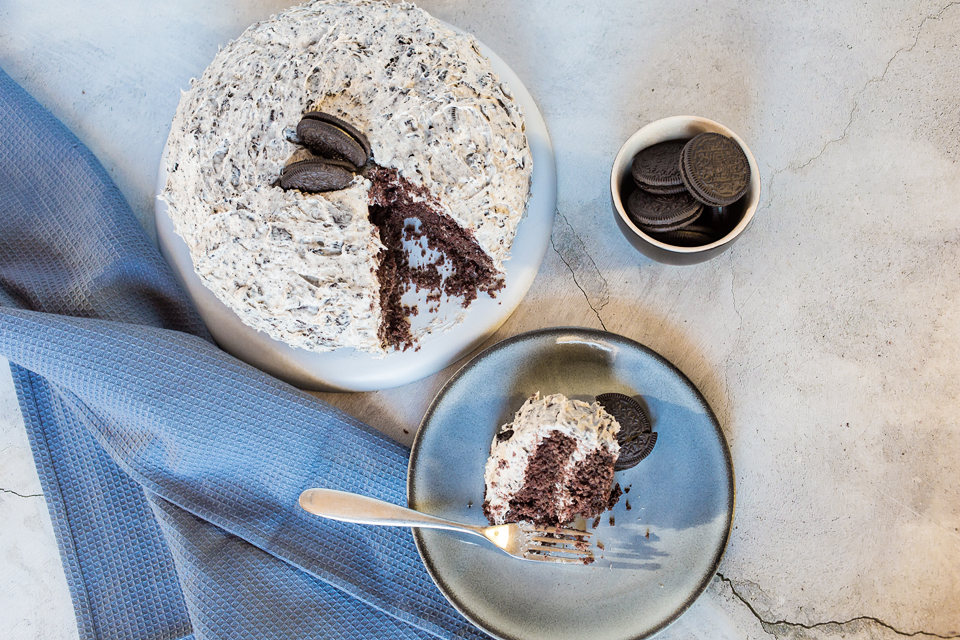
(552, 463)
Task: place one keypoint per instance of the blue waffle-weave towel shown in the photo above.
(171, 469)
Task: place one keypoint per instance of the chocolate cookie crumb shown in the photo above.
(615, 494)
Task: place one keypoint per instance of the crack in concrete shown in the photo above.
(573, 272)
(739, 342)
(773, 176)
(874, 80)
(859, 619)
(733, 301)
(21, 495)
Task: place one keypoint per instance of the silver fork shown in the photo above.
(542, 544)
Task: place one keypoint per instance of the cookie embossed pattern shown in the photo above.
(683, 189)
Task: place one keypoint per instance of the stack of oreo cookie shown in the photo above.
(686, 192)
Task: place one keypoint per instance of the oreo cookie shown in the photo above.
(681, 191)
(330, 137)
(636, 437)
(663, 191)
(334, 151)
(658, 166)
(662, 212)
(693, 235)
(317, 175)
(714, 169)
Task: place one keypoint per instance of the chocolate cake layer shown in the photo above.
(589, 484)
(393, 203)
(555, 461)
(538, 499)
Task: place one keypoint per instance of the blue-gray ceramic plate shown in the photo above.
(662, 542)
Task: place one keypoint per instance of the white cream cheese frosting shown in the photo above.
(589, 425)
(300, 266)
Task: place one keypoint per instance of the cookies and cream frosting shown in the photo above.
(300, 266)
(588, 425)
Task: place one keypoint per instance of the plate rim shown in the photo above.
(591, 334)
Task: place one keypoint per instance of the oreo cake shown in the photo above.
(449, 166)
(553, 462)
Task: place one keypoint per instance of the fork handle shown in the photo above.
(352, 507)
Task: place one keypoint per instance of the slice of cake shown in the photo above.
(553, 462)
(449, 165)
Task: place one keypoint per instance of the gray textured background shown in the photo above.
(827, 340)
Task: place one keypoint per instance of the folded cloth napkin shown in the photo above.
(172, 470)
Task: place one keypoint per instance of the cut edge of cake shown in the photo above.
(553, 462)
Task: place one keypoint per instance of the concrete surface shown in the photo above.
(827, 340)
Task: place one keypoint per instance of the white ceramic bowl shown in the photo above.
(677, 128)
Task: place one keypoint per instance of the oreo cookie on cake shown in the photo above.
(636, 436)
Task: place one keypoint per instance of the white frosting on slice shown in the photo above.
(590, 426)
(302, 267)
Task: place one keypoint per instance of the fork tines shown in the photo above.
(546, 544)
(559, 531)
